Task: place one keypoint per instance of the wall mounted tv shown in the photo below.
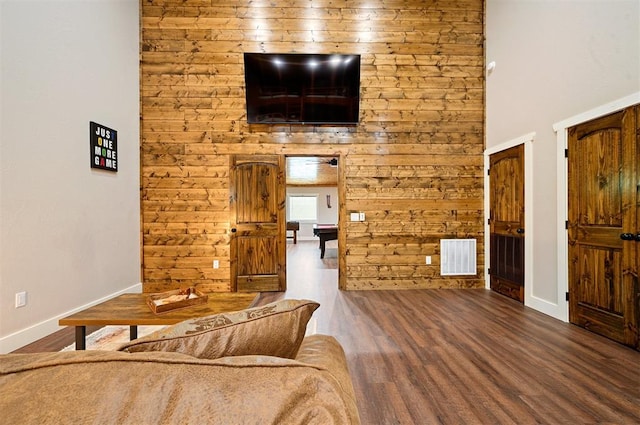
(302, 88)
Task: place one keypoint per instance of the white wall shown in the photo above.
(554, 59)
(2, 303)
(325, 215)
(69, 234)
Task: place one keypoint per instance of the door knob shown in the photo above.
(637, 237)
(627, 236)
(520, 230)
(233, 230)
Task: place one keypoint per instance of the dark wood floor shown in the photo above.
(461, 356)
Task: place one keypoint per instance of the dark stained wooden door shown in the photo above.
(258, 223)
(506, 222)
(603, 209)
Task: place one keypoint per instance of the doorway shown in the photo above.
(257, 223)
(313, 201)
(259, 215)
(506, 222)
(603, 231)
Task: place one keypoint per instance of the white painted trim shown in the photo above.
(561, 128)
(527, 140)
(562, 193)
(529, 282)
(28, 335)
(543, 306)
(487, 208)
(529, 137)
(600, 111)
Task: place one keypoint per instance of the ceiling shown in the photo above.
(312, 171)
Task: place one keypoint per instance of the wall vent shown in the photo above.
(457, 257)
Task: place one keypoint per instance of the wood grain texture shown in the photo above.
(413, 164)
(133, 310)
(453, 356)
(308, 171)
(449, 356)
(603, 186)
(506, 222)
(258, 223)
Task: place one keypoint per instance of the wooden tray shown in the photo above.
(160, 303)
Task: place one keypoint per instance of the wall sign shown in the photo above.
(104, 147)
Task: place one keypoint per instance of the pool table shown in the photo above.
(326, 232)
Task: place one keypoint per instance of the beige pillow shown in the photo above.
(275, 329)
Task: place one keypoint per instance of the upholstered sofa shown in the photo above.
(196, 372)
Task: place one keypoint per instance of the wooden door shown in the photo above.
(603, 209)
(258, 223)
(506, 222)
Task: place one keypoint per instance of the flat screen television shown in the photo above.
(302, 88)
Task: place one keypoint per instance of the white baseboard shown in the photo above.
(33, 333)
(546, 307)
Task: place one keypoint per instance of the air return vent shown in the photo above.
(457, 257)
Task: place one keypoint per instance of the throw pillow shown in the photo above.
(276, 329)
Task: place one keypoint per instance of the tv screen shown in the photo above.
(302, 88)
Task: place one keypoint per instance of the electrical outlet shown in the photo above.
(428, 259)
(216, 264)
(21, 299)
(361, 216)
(355, 216)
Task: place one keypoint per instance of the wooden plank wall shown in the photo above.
(413, 164)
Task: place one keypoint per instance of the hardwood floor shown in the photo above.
(466, 356)
(54, 342)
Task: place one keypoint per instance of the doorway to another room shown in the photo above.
(312, 212)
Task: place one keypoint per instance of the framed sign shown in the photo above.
(104, 147)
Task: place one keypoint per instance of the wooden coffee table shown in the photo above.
(132, 310)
